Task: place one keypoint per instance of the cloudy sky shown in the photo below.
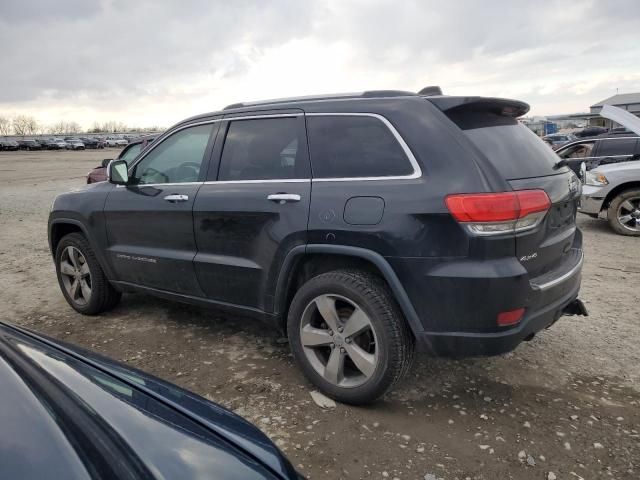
(156, 62)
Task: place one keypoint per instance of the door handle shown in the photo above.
(176, 198)
(284, 197)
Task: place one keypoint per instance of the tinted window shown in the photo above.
(263, 149)
(514, 150)
(177, 159)
(130, 152)
(620, 146)
(579, 150)
(354, 146)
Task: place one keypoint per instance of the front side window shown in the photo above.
(130, 152)
(263, 149)
(178, 159)
(354, 146)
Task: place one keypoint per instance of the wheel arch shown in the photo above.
(617, 191)
(302, 262)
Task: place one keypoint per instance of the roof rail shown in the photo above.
(334, 96)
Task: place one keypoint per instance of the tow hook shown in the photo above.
(575, 308)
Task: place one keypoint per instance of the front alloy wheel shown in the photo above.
(624, 213)
(76, 276)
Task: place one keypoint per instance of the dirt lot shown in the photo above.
(567, 402)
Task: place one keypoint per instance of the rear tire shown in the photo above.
(372, 344)
(626, 206)
(81, 278)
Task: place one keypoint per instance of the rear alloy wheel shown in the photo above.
(624, 213)
(348, 335)
(82, 281)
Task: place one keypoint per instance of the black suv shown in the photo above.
(600, 150)
(362, 225)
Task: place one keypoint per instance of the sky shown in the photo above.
(156, 62)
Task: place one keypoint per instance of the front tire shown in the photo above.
(81, 278)
(624, 213)
(348, 335)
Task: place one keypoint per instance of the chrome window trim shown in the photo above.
(271, 180)
(206, 122)
(177, 184)
(417, 171)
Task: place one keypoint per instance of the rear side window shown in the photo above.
(618, 146)
(354, 146)
(264, 149)
(514, 150)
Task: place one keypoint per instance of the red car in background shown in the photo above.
(128, 153)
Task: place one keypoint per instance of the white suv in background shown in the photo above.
(115, 142)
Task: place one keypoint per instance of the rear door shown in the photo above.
(254, 208)
(150, 222)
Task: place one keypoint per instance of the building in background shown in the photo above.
(626, 101)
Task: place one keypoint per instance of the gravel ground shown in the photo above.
(565, 405)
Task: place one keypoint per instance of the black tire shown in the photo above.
(103, 296)
(612, 213)
(394, 341)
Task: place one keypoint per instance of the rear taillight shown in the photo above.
(496, 213)
(511, 317)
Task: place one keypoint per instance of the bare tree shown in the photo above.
(5, 126)
(21, 125)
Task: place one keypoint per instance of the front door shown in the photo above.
(150, 222)
(254, 211)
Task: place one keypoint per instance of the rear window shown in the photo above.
(618, 146)
(354, 146)
(514, 150)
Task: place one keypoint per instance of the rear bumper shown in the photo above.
(461, 344)
(458, 302)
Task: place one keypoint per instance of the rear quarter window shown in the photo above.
(354, 146)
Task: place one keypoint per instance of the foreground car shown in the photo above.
(99, 174)
(363, 225)
(90, 417)
(612, 192)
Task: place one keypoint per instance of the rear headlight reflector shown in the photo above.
(511, 317)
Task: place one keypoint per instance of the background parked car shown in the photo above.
(43, 142)
(90, 417)
(60, 143)
(559, 139)
(74, 143)
(590, 132)
(29, 144)
(612, 192)
(116, 142)
(598, 151)
(92, 143)
(7, 144)
(99, 174)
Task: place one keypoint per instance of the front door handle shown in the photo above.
(284, 197)
(176, 198)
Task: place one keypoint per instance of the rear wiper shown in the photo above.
(562, 163)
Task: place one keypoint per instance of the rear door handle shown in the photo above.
(176, 198)
(284, 197)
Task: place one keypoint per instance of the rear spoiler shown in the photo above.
(498, 106)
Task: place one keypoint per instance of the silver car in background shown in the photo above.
(612, 192)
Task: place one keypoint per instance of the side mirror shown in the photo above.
(117, 172)
(105, 162)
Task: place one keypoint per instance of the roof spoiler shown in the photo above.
(498, 106)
